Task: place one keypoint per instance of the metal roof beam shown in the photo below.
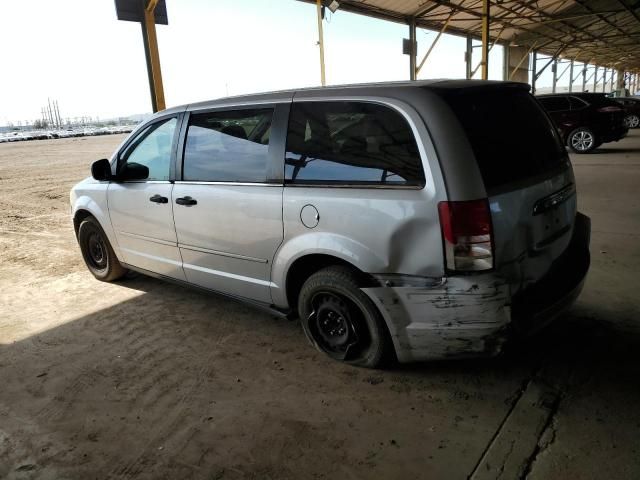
(555, 55)
(592, 30)
(601, 17)
(498, 19)
(563, 22)
(630, 10)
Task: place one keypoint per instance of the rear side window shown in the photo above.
(554, 104)
(228, 146)
(577, 104)
(511, 137)
(351, 143)
(598, 100)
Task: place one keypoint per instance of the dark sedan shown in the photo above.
(586, 120)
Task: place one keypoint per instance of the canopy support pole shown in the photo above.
(323, 81)
(485, 39)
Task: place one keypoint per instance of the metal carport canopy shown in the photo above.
(601, 32)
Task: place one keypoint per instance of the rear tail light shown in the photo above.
(467, 235)
(610, 109)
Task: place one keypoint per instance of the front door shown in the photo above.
(227, 208)
(141, 210)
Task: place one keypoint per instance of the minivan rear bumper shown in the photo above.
(474, 315)
(539, 304)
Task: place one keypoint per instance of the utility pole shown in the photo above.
(58, 114)
(50, 113)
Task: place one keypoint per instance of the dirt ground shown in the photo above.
(143, 379)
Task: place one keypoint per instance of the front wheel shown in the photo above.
(98, 253)
(632, 121)
(341, 321)
(581, 140)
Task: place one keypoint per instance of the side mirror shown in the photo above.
(101, 170)
(133, 171)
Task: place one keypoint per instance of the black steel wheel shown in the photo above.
(341, 321)
(97, 252)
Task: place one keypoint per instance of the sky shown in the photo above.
(77, 52)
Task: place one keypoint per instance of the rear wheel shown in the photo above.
(340, 319)
(581, 140)
(97, 252)
(632, 121)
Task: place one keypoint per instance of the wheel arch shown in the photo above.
(80, 215)
(312, 251)
(85, 206)
(305, 266)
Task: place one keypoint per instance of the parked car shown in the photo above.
(585, 120)
(401, 219)
(631, 106)
(620, 92)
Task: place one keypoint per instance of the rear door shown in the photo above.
(228, 203)
(527, 175)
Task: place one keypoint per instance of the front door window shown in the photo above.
(153, 149)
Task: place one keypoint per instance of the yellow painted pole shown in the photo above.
(495, 41)
(320, 41)
(485, 39)
(154, 55)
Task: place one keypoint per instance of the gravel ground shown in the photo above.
(144, 379)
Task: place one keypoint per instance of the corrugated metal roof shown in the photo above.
(604, 32)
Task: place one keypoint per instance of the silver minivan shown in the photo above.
(409, 221)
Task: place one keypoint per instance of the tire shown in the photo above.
(341, 321)
(98, 253)
(632, 121)
(581, 140)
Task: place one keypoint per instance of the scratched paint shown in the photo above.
(460, 317)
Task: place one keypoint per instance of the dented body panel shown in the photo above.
(456, 317)
(475, 315)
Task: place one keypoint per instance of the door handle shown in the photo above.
(159, 199)
(186, 201)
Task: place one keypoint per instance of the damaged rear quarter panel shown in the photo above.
(457, 317)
